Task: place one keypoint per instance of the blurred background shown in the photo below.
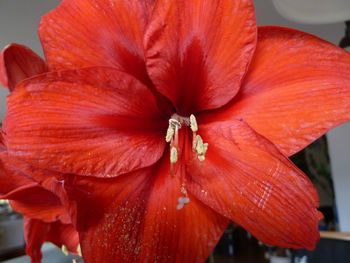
(327, 161)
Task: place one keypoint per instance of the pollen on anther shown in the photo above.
(200, 147)
(79, 251)
(201, 158)
(173, 155)
(175, 123)
(64, 250)
(170, 133)
(193, 123)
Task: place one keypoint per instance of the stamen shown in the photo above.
(169, 133)
(79, 251)
(174, 126)
(201, 158)
(175, 123)
(193, 123)
(172, 137)
(173, 155)
(64, 250)
(200, 147)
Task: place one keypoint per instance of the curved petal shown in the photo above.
(18, 62)
(93, 121)
(10, 177)
(28, 190)
(15, 173)
(297, 89)
(133, 218)
(83, 33)
(36, 232)
(36, 202)
(245, 178)
(198, 51)
(64, 234)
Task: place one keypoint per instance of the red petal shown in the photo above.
(20, 184)
(245, 178)
(296, 90)
(15, 174)
(84, 33)
(63, 234)
(18, 62)
(10, 178)
(133, 218)
(198, 51)
(36, 232)
(95, 121)
(36, 202)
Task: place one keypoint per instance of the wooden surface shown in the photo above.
(335, 235)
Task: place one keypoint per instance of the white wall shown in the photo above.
(266, 14)
(18, 23)
(338, 138)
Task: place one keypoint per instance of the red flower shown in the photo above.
(231, 100)
(46, 219)
(27, 187)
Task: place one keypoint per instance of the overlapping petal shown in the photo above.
(133, 218)
(28, 190)
(198, 51)
(37, 232)
(297, 88)
(103, 121)
(21, 184)
(36, 202)
(83, 33)
(245, 178)
(64, 234)
(93, 121)
(10, 178)
(18, 62)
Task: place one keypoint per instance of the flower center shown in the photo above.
(199, 148)
(172, 136)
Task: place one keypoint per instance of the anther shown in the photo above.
(170, 133)
(200, 147)
(193, 123)
(173, 155)
(79, 251)
(64, 250)
(175, 123)
(201, 158)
